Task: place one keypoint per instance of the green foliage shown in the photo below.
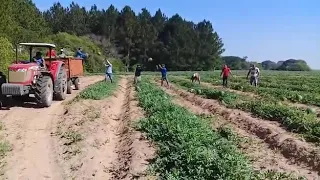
(95, 62)
(21, 21)
(292, 118)
(294, 65)
(6, 54)
(71, 43)
(176, 42)
(99, 90)
(188, 147)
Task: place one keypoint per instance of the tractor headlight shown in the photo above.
(34, 79)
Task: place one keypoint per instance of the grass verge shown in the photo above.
(188, 148)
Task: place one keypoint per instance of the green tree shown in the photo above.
(109, 23)
(127, 23)
(6, 54)
(145, 35)
(77, 18)
(56, 18)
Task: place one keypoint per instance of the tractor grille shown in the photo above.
(13, 89)
(19, 76)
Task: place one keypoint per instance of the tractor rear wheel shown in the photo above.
(61, 83)
(69, 87)
(44, 91)
(77, 84)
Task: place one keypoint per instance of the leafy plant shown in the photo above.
(99, 90)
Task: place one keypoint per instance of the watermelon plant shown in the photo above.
(296, 120)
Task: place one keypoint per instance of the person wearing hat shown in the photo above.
(62, 54)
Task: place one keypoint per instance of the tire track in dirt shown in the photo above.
(108, 148)
(294, 149)
(28, 131)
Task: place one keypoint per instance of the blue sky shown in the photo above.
(260, 29)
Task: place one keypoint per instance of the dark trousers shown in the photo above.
(225, 81)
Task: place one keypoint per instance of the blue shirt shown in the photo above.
(80, 54)
(164, 71)
(39, 61)
(109, 69)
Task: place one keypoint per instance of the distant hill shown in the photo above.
(238, 63)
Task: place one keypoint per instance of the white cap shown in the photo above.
(61, 49)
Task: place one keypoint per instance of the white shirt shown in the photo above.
(254, 71)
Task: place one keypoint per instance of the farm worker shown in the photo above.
(108, 71)
(255, 73)
(225, 75)
(163, 70)
(62, 54)
(137, 74)
(51, 53)
(80, 54)
(38, 59)
(195, 77)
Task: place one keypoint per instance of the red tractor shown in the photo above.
(48, 81)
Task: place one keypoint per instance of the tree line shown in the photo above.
(132, 37)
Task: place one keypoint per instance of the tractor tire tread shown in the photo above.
(40, 91)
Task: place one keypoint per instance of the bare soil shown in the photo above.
(274, 147)
(107, 146)
(28, 130)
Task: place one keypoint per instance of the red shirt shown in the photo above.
(53, 53)
(226, 71)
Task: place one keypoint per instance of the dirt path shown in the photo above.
(28, 131)
(95, 139)
(292, 153)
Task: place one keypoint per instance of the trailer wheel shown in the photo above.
(69, 87)
(77, 84)
(44, 91)
(61, 91)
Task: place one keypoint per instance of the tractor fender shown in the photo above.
(55, 68)
(47, 74)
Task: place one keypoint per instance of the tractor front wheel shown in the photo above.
(61, 83)
(77, 84)
(44, 91)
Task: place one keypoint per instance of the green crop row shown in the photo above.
(282, 94)
(293, 119)
(188, 148)
(99, 90)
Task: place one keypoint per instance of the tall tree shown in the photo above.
(56, 17)
(127, 23)
(77, 18)
(109, 22)
(146, 34)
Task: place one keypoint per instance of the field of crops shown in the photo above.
(282, 113)
(201, 131)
